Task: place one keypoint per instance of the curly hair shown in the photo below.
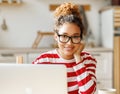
(67, 9)
(68, 12)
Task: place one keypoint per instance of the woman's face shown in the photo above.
(67, 50)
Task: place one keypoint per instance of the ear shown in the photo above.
(55, 37)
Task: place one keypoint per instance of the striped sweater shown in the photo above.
(81, 77)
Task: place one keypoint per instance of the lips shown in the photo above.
(68, 48)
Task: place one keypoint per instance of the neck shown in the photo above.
(68, 57)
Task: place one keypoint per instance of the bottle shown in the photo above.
(19, 59)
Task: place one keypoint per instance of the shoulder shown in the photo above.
(49, 54)
(46, 57)
(88, 56)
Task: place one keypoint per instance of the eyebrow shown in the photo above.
(75, 34)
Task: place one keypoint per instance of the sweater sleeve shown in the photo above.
(85, 71)
(41, 60)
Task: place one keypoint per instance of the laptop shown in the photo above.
(33, 79)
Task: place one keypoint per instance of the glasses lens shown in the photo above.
(76, 39)
(63, 38)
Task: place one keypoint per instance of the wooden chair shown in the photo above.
(39, 37)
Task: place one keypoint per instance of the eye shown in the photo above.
(76, 37)
(64, 36)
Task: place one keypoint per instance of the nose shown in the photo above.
(69, 41)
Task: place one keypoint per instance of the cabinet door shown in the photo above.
(11, 57)
(104, 70)
(7, 58)
(104, 65)
(32, 57)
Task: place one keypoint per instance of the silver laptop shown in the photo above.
(33, 79)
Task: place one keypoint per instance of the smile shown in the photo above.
(69, 48)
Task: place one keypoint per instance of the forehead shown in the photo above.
(69, 28)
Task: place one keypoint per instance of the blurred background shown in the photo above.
(26, 30)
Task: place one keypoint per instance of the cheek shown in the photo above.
(61, 45)
(77, 46)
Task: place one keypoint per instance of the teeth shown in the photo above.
(69, 48)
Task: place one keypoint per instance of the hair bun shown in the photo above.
(67, 9)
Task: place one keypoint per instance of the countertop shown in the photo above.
(31, 50)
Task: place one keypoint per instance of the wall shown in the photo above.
(25, 20)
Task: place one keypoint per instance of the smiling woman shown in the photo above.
(81, 66)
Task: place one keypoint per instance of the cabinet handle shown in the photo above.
(7, 55)
(95, 54)
(98, 82)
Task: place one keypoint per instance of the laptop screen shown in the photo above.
(33, 79)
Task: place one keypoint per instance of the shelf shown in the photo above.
(117, 17)
(52, 7)
(13, 2)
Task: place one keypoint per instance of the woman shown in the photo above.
(81, 66)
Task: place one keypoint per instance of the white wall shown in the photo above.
(25, 20)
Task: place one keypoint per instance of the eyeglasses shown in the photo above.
(65, 38)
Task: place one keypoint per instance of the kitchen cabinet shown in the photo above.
(104, 69)
(11, 57)
(32, 57)
(104, 65)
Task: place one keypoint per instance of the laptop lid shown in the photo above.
(33, 79)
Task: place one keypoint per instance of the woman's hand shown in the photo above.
(78, 52)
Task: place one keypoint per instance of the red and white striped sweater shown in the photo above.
(80, 77)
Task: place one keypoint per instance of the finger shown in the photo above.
(82, 45)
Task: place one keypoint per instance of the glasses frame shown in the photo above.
(69, 38)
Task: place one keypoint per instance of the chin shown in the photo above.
(68, 53)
